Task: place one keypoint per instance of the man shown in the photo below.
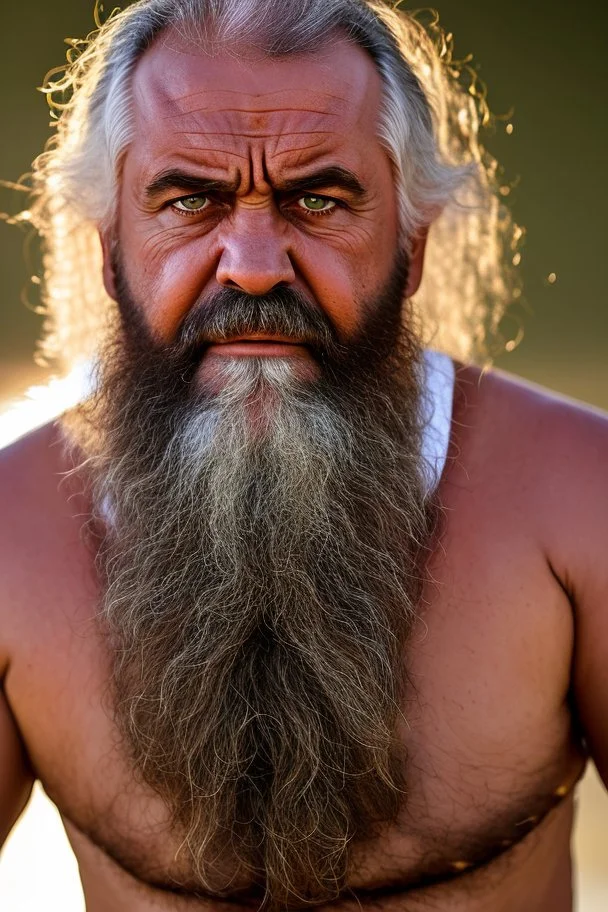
(255, 649)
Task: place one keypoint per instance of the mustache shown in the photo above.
(283, 312)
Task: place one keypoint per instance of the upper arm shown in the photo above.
(15, 776)
(16, 467)
(579, 556)
(590, 667)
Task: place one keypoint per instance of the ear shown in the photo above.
(109, 278)
(416, 262)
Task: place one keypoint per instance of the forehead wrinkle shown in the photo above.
(281, 152)
(230, 121)
(207, 98)
(301, 158)
(203, 109)
(232, 152)
(158, 92)
(160, 101)
(255, 135)
(190, 145)
(174, 110)
(277, 131)
(176, 74)
(282, 147)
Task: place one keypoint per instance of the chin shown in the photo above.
(219, 369)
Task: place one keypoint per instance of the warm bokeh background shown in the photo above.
(543, 62)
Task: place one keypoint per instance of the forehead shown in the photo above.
(296, 107)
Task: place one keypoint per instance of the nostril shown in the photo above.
(254, 286)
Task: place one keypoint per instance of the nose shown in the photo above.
(255, 256)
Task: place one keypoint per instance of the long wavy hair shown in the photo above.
(433, 110)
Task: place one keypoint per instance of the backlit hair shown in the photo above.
(429, 125)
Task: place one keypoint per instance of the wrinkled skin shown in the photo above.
(257, 235)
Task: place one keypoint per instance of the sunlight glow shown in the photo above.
(41, 404)
(38, 870)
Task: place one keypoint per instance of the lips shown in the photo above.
(262, 346)
(259, 338)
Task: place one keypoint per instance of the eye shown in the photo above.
(191, 204)
(316, 204)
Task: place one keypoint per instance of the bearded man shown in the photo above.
(295, 613)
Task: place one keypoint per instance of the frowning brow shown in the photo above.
(325, 179)
(176, 181)
(332, 177)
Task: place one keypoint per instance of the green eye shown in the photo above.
(316, 203)
(192, 203)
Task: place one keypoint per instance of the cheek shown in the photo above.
(167, 273)
(334, 284)
(179, 281)
(355, 272)
(343, 280)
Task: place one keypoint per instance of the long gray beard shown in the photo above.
(258, 589)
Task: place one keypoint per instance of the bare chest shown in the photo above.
(485, 721)
(486, 727)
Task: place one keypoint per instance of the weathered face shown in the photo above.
(252, 173)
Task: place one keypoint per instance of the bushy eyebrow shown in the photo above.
(324, 179)
(177, 181)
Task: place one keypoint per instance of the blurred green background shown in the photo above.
(543, 61)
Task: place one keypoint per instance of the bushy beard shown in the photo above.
(260, 579)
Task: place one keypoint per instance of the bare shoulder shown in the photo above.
(28, 522)
(30, 470)
(510, 402)
(548, 450)
(28, 454)
(534, 422)
(32, 524)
